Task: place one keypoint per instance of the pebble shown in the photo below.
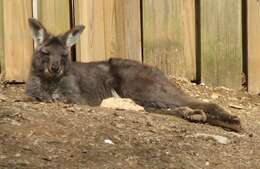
(217, 138)
(108, 141)
(214, 96)
(121, 104)
(235, 106)
(2, 98)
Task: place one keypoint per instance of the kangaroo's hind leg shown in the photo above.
(196, 111)
(218, 116)
(192, 115)
(150, 88)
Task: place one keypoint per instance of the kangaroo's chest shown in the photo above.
(55, 89)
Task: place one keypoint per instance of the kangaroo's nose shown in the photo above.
(55, 68)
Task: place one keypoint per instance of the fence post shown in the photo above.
(169, 36)
(112, 29)
(54, 14)
(1, 39)
(91, 45)
(17, 39)
(123, 29)
(253, 46)
(221, 43)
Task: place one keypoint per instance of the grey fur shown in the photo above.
(53, 77)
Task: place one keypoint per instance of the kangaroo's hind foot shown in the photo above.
(192, 115)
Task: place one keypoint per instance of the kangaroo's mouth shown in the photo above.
(49, 73)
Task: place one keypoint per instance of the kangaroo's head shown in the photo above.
(51, 56)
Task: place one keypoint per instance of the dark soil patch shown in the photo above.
(60, 136)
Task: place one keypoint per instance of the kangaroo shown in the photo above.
(54, 77)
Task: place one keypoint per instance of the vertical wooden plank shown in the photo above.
(169, 36)
(112, 47)
(1, 38)
(253, 46)
(54, 14)
(221, 43)
(17, 39)
(123, 29)
(91, 46)
(132, 22)
(112, 29)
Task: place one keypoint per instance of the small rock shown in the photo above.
(3, 157)
(121, 104)
(17, 100)
(77, 108)
(233, 99)
(214, 96)
(47, 158)
(237, 135)
(71, 109)
(90, 110)
(207, 163)
(149, 124)
(205, 100)
(15, 123)
(2, 98)
(116, 114)
(17, 155)
(251, 135)
(217, 138)
(119, 125)
(235, 106)
(108, 141)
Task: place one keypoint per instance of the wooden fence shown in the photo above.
(215, 42)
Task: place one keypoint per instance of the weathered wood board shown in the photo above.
(91, 46)
(17, 39)
(112, 29)
(123, 29)
(54, 14)
(169, 36)
(253, 46)
(1, 38)
(221, 43)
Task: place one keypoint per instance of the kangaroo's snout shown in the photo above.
(55, 67)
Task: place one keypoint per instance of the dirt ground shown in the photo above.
(37, 135)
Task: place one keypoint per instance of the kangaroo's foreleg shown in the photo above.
(35, 90)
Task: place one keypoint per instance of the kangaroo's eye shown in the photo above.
(45, 52)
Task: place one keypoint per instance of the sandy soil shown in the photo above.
(37, 135)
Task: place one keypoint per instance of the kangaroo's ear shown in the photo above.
(71, 37)
(39, 33)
